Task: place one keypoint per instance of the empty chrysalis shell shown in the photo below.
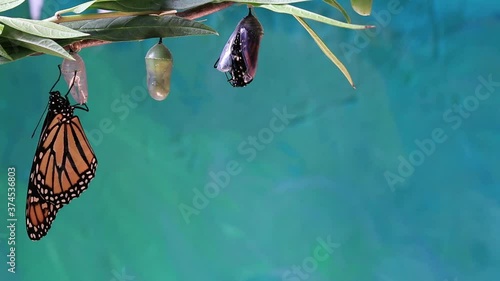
(79, 90)
(159, 64)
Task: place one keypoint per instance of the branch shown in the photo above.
(190, 14)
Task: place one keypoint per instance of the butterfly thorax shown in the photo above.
(59, 105)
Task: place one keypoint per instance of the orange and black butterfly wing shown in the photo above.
(64, 163)
(39, 214)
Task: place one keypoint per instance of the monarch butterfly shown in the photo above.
(63, 165)
(240, 54)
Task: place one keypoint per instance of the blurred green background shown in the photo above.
(322, 177)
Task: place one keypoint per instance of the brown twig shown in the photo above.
(204, 10)
(77, 46)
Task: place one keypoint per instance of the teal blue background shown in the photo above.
(322, 176)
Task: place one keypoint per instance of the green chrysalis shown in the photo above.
(159, 63)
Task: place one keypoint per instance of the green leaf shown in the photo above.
(79, 8)
(337, 6)
(325, 50)
(147, 5)
(15, 52)
(9, 4)
(362, 7)
(1, 28)
(41, 28)
(35, 43)
(263, 2)
(127, 6)
(133, 28)
(76, 9)
(4, 54)
(288, 9)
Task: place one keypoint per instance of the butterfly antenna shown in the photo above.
(58, 78)
(83, 106)
(227, 77)
(37, 124)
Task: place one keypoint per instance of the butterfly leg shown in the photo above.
(72, 84)
(82, 107)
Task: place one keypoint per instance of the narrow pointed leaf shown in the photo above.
(325, 50)
(288, 9)
(9, 4)
(362, 7)
(4, 53)
(76, 9)
(35, 43)
(80, 8)
(127, 6)
(337, 6)
(133, 28)
(1, 28)
(15, 52)
(41, 28)
(146, 5)
(263, 2)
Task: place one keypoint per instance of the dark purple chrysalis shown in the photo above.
(239, 56)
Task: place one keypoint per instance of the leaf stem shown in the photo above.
(57, 18)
